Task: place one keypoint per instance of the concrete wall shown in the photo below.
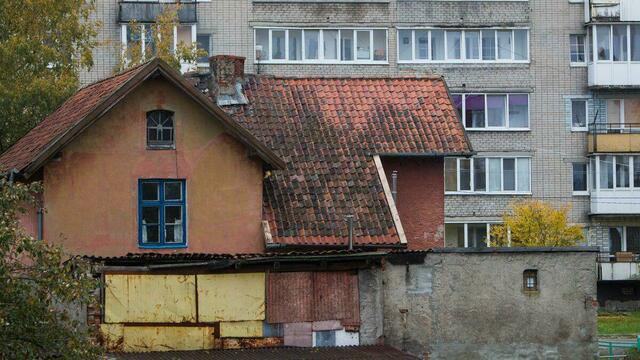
(91, 192)
(420, 199)
(471, 305)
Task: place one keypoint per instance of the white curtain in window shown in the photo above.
(524, 173)
(495, 174)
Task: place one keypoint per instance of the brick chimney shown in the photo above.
(226, 72)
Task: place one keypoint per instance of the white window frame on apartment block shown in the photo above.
(585, 51)
(320, 59)
(486, 127)
(488, 233)
(486, 174)
(633, 186)
(586, 111)
(594, 44)
(463, 49)
(587, 182)
(143, 34)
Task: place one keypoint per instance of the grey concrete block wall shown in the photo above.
(473, 306)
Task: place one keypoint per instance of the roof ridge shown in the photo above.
(121, 72)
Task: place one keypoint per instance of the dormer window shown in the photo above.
(160, 130)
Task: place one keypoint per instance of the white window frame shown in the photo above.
(585, 52)
(486, 127)
(463, 59)
(466, 230)
(586, 120)
(588, 182)
(321, 59)
(486, 173)
(594, 43)
(632, 185)
(125, 27)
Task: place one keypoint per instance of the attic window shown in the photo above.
(160, 130)
(530, 280)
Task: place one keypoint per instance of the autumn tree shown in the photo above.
(43, 46)
(536, 223)
(162, 38)
(38, 282)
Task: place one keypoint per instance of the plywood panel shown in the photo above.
(167, 338)
(231, 297)
(150, 298)
(241, 329)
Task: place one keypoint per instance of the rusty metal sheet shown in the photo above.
(241, 329)
(239, 343)
(290, 297)
(166, 338)
(150, 298)
(298, 334)
(231, 297)
(335, 296)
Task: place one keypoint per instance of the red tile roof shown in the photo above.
(327, 131)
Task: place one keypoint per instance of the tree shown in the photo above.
(162, 40)
(37, 283)
(536, 223)
(43, 46)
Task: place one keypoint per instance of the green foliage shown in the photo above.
(617, 323)
(163, 44)
(37, 284)
(536, 223)
(43, 46)
(633, 354)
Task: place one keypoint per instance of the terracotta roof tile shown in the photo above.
(327, 131)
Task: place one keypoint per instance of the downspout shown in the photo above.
(40, 223)
(394, 186)
(350, 224)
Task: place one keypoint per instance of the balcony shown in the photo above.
(623, 74)
(614, 138)
(622, 266)
(612, 10)
(147, 11)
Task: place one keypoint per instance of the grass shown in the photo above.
(627, 323)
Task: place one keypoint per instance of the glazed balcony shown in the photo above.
(611, 10)
(621, 266)
(147, 11)
(614, 138)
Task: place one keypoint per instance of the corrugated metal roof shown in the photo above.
(282, 353)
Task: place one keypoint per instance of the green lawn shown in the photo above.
(619, 323)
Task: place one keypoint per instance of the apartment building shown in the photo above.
(548, 117)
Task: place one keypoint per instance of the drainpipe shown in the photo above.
(350, 222)
(394, 186)
(40, 222)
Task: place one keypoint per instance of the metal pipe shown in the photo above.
(40, 223)
(394, 186)
(350, 224)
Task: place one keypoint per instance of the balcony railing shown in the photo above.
(614, 137)
(613, 10)
(147, 11)
(623, 266)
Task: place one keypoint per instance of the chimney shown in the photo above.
(227, 72)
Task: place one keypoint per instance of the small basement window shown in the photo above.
(160, 130)
(530, 280)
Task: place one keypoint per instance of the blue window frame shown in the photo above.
(162, 213)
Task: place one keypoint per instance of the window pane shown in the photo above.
(330, 40)
(479, 174)
(364, 45)
(422, 44)
(518, 111)
(311, 44)
(593, 173)
(635, 42)
(405, 44)
(615, 240)
(504, 45)
(509, 175)
(450, 174)
(262, 40)
(521, 45)
(636, 171)
(579, 177)
(150, 191)
(622, 171)
(346, 45)
(603, 42)
(579, 113)
(495, 174)
(454, 235)
(472, 44)
(152, 135)
(589, 44)
(457, 102)
(524, 174)
(496, 105)
(488, 44)
(204, 43)
(453, 44)
(477, 236)
(633, 239)
(150, 219)
(295, 44)
(620, 43)
(379, 45)
(614, 113)
(173, 224)
(437, 44)
(277, 44)
(465, 174)
(577, 48)
(173, 190)
(474, 111)
(606, 172)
